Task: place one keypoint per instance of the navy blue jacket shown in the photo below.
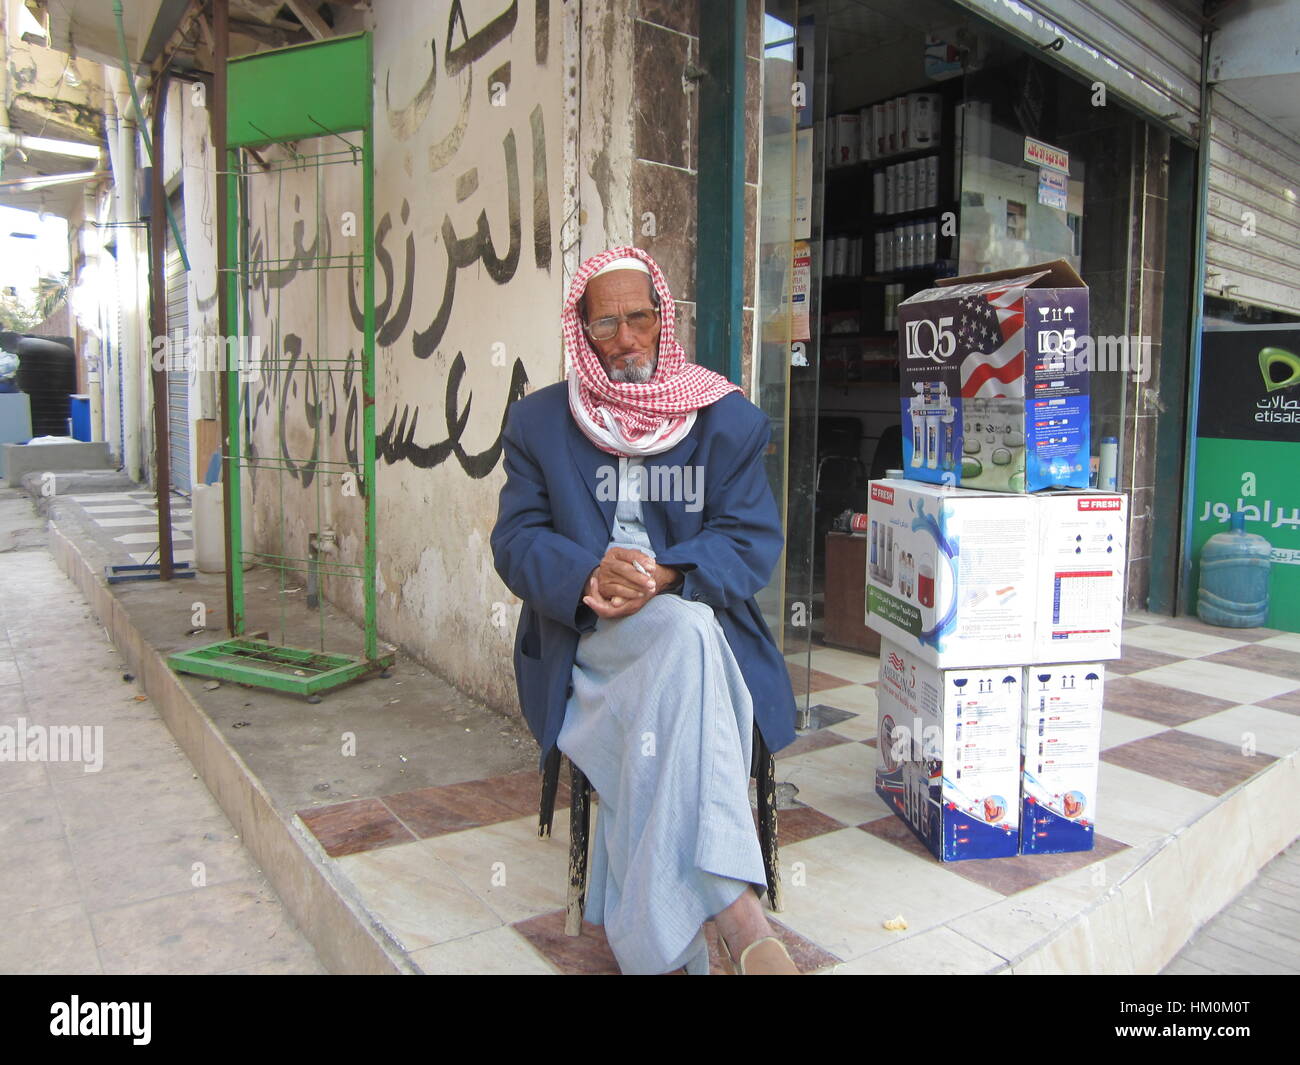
(552, 530)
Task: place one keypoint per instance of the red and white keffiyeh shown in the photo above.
(622, 417)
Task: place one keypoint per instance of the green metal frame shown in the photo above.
(269, 97)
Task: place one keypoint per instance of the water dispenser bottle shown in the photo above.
(1234, 578)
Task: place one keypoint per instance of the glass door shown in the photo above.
(1045, 174)
(786, 364)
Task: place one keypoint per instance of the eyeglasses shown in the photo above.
(641, 321)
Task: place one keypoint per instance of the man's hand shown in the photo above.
(617, 607)
(620, 580)
(666, 578)
(618, 588)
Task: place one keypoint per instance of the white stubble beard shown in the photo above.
(637, 374)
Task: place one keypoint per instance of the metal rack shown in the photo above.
(307, 109)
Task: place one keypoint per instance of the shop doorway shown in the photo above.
(903, 141)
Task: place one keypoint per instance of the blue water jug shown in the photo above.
(1234, 578)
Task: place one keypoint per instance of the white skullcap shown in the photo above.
(628, 262)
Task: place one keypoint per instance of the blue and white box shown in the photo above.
(948, 754)
(1060, 747)
(993, 396)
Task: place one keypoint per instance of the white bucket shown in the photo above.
(210, 530)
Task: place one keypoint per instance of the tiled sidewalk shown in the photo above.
(130, 869)
(458, 876)
(130, 519)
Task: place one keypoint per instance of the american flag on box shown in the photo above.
(991, 327)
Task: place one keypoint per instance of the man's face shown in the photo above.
(629, 355)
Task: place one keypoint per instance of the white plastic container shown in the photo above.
(210, 526)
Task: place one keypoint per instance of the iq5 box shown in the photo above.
(948, 754)
(1060, 748)
(963, 578)
(991, 396)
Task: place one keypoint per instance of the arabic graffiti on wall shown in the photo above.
(448, 254)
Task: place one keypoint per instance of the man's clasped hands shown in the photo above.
(617, 588)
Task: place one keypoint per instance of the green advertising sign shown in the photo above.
(895, 610)
(1248, 451)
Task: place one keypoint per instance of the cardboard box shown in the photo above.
(948, 754)
(950, 573)
(990, 396)
(1060, 752)
(1082, 540)
(964, 578)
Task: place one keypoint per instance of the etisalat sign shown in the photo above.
(1248, 451)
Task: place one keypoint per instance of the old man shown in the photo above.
(636, 524)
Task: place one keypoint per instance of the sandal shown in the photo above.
(763, 957)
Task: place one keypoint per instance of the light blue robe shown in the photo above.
(661, 722)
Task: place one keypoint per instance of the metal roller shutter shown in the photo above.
(178, 380)
(1146, 52)
(1253, 219)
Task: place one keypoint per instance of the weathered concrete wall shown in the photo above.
(51, 93)
(511, 141)
(468, 180)
(469, 106)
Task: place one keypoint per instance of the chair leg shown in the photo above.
(579, 826)
(765, 773)
(550, 785)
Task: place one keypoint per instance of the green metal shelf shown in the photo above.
(268, 97)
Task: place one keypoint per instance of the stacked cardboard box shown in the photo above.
(992, 394)
(996, 607)
(948, 746)
(989, 762)
(1060, 740)
(968, 578)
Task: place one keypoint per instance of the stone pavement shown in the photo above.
(131, 868)
(1258, 933)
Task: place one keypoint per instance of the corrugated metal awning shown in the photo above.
(1146, 52)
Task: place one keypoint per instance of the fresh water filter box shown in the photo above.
(948, 754)
(951, 574)
(1081, 539)
(967, 578)
(1060, 744)
(993, 395)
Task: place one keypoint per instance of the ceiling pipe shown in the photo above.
(33, 184)
(77, 149)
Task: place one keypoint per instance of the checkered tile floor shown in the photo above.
(130, 519)
(459, 877)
